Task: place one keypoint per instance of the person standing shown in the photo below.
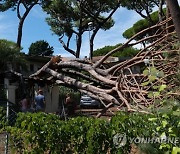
(40, 101)
(69, 105)
(24, 104)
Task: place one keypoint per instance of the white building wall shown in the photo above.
(55, 98)
(11, 91)
(52, 98)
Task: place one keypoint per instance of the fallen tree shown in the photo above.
(118, 84)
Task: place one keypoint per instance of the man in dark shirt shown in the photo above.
(40, 101)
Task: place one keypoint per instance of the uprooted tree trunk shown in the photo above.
(174, 9)
(119, 85)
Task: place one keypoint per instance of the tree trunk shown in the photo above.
(118, 83)
(79, 42)
(175, 13)
(91, 43)
(19, 37)
(160, 12)
(21, 22)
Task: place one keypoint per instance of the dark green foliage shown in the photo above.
(98, 137)
(142, 24)
(127, 52)
(68, 16)
(12, 4)
(5, 5)
(40, 48)
(139, 4)
(71, 19)
(142, 7)
(10, 53)
(40, 132)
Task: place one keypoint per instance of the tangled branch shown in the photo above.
(134, 84)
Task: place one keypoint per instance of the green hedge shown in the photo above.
(40, 132)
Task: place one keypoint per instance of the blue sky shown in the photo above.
(36, 28)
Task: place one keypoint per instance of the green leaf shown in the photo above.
(156, 94)
(145, 83)
(146, 72)
(152, 78)
(153, 94)
(153, 71)
(160, 74)
(155, 87)
(158, 128)
(150, 94)
(166, 146)
(152, 119)
(164, 123)
(170, 130)
(165, 116)
(176, 113)
(162, 87)
(176, 150)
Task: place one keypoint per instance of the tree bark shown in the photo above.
(160, 12)
(21, 22)
(175, 13)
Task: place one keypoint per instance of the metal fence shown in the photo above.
(9, 117)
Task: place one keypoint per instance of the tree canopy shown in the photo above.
(73, 18)
(10, 54)
(142, 7)
(126, 52)
(143, 24)
(40, 48)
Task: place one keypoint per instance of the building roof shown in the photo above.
(108, 60)
(43, 59)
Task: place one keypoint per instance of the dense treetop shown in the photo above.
(127, 52)
(142, 24)
(40, 48)
(71, 19)
(10, 53)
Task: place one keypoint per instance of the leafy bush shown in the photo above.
(40, 132)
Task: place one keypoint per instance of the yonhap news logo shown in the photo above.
(121, 140)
